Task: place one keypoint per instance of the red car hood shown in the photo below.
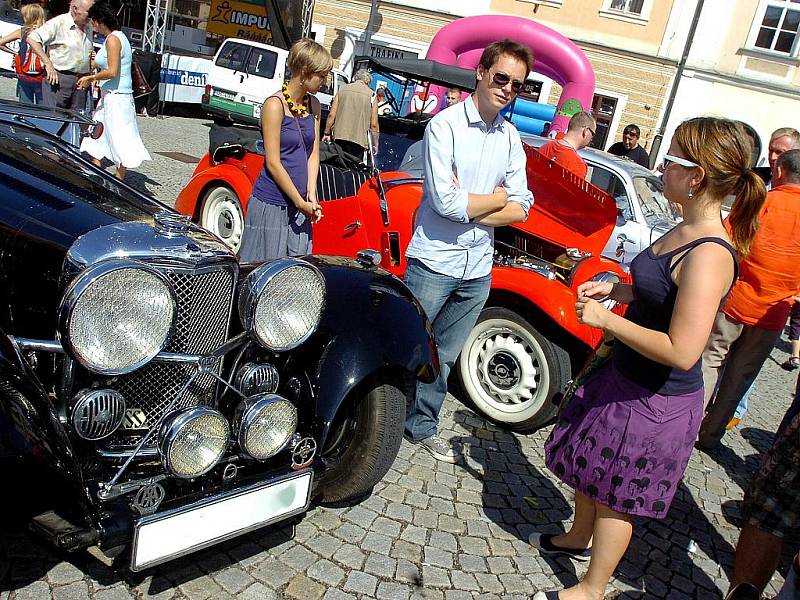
(567, 210)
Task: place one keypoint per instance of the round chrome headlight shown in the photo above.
(116, 316)
(265, 424)
(281, 303)
(96, 414)
(192, 441)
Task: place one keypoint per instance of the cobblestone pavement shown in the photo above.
(431, 530)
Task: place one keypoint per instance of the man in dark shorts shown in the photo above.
(771, 508)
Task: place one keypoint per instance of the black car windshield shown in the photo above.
(50, 166)
(655, 207)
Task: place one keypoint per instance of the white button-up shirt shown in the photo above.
(67, 46)
(462, 155)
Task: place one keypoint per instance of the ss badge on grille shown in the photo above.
(148, 498)
(134, 419)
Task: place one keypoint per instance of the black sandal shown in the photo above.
(792, 363)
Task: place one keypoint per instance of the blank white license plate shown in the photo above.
(164, 536)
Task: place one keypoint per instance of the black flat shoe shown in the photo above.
(744, 591)
(544, 542)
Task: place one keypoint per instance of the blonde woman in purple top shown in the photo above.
(284, 204)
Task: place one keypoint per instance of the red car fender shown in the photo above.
(550, 296)
(206, 175)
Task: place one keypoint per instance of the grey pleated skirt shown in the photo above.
(272, 231)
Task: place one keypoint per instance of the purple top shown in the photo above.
(295, 151)
(654, 294)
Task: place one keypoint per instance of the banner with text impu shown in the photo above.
(233, 18)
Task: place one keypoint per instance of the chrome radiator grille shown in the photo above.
(204, 300)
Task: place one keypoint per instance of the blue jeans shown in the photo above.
(29, 92)
(453, 306)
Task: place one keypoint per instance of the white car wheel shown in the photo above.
(222, 215)
(510, 372)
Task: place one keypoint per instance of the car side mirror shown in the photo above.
(621, 220)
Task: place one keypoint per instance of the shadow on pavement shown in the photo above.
(508, 479)
(663, 554)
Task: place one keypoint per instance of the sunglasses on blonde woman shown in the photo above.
(501, 79)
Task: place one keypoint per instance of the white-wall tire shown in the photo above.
(510, 372)
(222, 215)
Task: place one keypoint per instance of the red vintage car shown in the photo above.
(527, 343)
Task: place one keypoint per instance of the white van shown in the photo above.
(244, 73)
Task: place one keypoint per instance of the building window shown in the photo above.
(633, 7)
(633, 11)
(603, 110)
(776, 26)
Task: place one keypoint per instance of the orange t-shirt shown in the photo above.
(769, 277)
(566, 156)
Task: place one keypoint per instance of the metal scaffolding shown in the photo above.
(308, 15)
(155, 25)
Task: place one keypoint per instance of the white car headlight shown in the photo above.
(281, 303)
(192, 441)
(116, 316)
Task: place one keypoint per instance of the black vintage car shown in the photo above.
(158, 397)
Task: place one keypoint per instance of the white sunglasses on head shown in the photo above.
(668, 158)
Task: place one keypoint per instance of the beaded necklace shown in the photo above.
(297, 110)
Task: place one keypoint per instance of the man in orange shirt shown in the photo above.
(564, 151)
(747, 328)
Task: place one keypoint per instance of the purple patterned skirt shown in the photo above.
(623, 446)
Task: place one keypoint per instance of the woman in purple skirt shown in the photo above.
(625, 439)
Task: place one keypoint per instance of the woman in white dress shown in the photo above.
(120, 141)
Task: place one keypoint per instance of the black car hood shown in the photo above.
(49, 197)
(44, 183)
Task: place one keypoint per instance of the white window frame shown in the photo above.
(622, 15)
(550, 3)
(758, 19)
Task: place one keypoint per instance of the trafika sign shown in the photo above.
(239, 19)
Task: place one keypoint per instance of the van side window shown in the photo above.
(615, 187)
(262, 63)
(233, 56)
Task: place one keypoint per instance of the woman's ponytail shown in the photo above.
(743, 218)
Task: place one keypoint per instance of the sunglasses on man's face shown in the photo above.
(501, 79)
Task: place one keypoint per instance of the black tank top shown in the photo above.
(654, 294)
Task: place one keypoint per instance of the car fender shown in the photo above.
(33, 443)
(188, 201)
(373, 325)
(551, 296)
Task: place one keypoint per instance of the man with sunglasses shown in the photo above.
(629, 146)
(564, 151)
(474, 180)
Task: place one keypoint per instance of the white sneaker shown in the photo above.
(439, 448)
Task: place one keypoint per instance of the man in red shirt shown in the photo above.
(747, 328)
(564, 151)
